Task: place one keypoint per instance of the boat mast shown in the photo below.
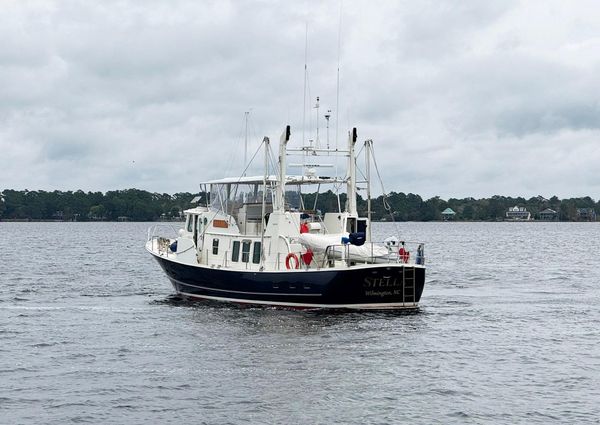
(264, 202)
(280, 193)
(351, 191)
(327, 116)
(246, 141)
(368, 147)
(317, 108)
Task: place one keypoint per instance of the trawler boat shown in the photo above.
(249, 245)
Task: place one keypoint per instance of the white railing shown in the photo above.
(400, 252)
(412, 253)
(161, 236)
(167, 231)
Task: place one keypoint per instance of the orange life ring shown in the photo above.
(404, 255)
(290, 256)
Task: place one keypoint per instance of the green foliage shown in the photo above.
(128, 204)
(140, 205)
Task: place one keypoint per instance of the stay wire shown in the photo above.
(386, 204)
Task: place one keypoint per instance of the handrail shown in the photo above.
(414, 254)
(153, 231)
(287, 243)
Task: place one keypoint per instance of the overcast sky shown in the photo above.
(462, 98)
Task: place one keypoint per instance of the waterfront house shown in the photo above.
(518, 213)
(586, 214)
(548, 215)
(448, 214)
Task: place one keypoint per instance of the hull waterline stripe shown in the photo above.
(243, 292)
(286, 304)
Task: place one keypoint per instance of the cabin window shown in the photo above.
(351, 225)
(199, 225)
(256, 253)
(235, 252)
(362, 226)
(246, 251)
(190, 223)
(215, 246)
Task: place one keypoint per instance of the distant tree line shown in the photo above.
(411, 207)
(126, 205)
(140, 205)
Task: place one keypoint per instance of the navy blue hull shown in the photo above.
(374, 286)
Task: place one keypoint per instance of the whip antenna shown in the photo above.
(305, 78)
(337, 89)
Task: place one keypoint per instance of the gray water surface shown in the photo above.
(507, 332)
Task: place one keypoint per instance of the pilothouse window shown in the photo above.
(246, 251)
(256, 253)
(351, 225)
(215, 246)
(199, 225)
(362, 226)
(190, 223)
(235, 251)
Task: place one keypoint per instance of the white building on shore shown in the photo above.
(517, 213)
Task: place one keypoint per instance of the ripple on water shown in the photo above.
(500, 337)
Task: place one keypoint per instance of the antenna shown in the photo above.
(337, 89)
(337, 100)
(246, 140)
(327, 116)
(305, 78)
(317, 108)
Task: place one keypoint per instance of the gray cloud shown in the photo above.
(469, 99)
